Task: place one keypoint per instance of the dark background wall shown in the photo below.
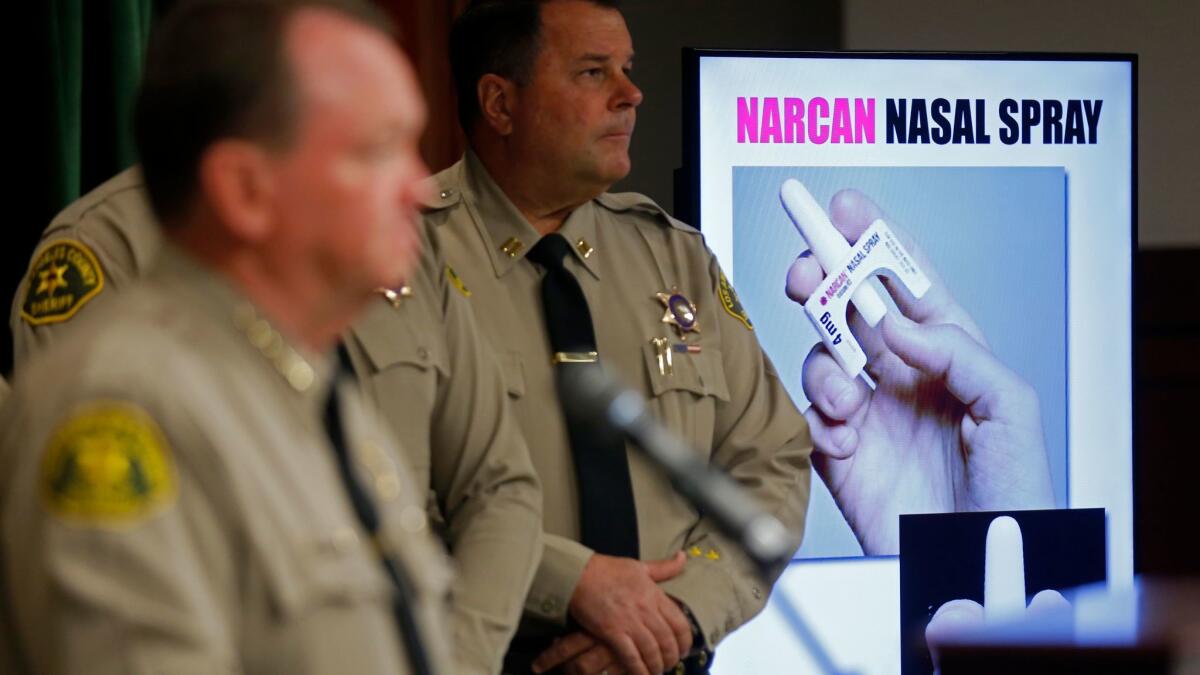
(662, 28)
(75, 69)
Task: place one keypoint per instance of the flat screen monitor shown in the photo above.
(1012, 178)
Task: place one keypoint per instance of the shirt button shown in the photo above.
(375, 456)
(549, 605)
(412, 519)
(423, 353)
(448, 192)
(756, 592)
(388, 486)
(300, 376)
(342, 540)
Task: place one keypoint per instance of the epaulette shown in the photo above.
(621, 202)
(72, 214)
(443, 190)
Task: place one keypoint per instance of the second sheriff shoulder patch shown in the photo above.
(62, 279)
(457, 281)
(731, 303)
(107, 464)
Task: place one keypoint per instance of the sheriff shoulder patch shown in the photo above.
(107, 464)
(729, 300)
(62, 279)
(457, 281)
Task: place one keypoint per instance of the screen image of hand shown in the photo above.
(630, 624)
(947, 426)
(1003, 593)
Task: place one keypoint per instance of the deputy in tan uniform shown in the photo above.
(419, 354)
(547, 101)
(420, 359)
(418, 351)
(185, 484)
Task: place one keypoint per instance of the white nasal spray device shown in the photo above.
(847, 269)
(1003, 571)
(827, 244)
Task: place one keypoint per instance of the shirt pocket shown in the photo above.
(405, 371)
(318, 571)
(404, 346)
(329, 605)
(685, 397)
(701, 374)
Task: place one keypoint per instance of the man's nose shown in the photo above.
(627, 95)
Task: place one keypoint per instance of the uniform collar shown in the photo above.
(506, 233)
(308, 375)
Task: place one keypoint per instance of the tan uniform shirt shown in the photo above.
(422, 361)
(724, 398)
(171, 500)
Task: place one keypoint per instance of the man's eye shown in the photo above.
(594, 72)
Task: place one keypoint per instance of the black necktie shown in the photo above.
(607, 515)
(404, 597)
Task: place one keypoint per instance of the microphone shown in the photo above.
(591, 395)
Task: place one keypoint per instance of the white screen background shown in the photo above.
(1100, 208)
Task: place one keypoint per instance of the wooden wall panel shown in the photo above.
(424, 34)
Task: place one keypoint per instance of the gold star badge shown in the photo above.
(680, 312)
(51, 279)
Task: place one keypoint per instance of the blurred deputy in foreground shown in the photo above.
(420, 355)
(187, 485)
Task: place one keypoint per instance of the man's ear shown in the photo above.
(237, 182)
(497, 100)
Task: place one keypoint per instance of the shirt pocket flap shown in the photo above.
(701, 373)
(389, 339)
(340, 567)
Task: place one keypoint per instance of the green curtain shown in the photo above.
(96, 52)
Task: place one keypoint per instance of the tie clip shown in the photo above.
(574, 357)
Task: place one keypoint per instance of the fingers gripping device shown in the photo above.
(847, 269)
